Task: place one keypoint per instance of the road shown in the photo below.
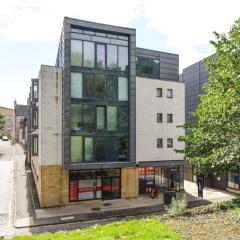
(6, 186)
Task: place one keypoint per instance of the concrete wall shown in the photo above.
(50, 116)
(148, 130)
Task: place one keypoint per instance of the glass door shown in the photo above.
(174, 180)
(110, 188)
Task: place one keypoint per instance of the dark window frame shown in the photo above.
(159, 117)
(159, 143)
(169, 118)
(170, 90)
(35, 136)
(170, 144)
(159, 92)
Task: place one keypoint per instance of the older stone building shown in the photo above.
(9, 122)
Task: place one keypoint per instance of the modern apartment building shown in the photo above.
(103, 120)
(194, 77)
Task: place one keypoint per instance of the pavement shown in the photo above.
(209, 194)
(6, 187)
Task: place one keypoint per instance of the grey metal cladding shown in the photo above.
(68, 22)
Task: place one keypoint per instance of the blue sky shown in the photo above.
(30, 31)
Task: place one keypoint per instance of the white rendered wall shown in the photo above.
(50, 116)
(147, 128)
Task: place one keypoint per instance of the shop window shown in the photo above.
(159, 118)
(76, 53)
(76, 85)
(169, 143)
(169, 118)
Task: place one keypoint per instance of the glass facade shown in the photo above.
(94, 184)
(99, 96)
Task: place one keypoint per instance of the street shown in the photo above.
(6, 186)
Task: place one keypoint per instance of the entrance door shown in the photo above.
(110, 188)
(174, 181)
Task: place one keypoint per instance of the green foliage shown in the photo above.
(214, 145)
(178, 207)
(149, 228)
(2, 121)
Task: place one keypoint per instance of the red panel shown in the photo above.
(74, 190)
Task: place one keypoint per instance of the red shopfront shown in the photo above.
(94, 184)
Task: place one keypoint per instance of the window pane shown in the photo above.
(159, 92)
(88, 149)
(89, 85)
(88, 117)
(101, 56)
(159, 117)
(100, 117)
(100, 86)
(147, 70)
(112, 86)
(169, 142)
(123, 149)
(123, 58)
(76, 149)
(112, 118)
(76, 119)
(35, 118)
(88, 54)
(159, 143)
(169, 118)
(123, 118)
(169, 93)
(76, 52)
(122, 89)
(101, 149)
(112, 149)
(76, 85)
(35, 90)
(112, 56)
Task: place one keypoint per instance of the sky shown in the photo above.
(30, 32)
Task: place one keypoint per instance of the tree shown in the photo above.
(2, 121)
(214, 143)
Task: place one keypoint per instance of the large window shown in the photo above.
(123, 149)
(112, 57)
(88, 117)
(76, 119)
(122, 89)
(123, 58)
(88, 54)
(76, 53)
(34, 145)
(112, 87)
(112, 118)
(147, 67)
(89, 85)
(122, 118)
(76, 85)
(100, 86)
(76, 149)
(35, 118)
(88, 148)
(101, 49)
(101, 117)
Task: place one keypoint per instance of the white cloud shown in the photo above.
(186, 24)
